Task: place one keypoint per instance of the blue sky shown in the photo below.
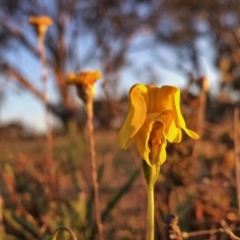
(20, 105)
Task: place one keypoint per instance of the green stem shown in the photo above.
(150, 209)
(151, 175)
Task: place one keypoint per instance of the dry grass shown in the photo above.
(201, 197)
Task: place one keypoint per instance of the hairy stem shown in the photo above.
(89, 107)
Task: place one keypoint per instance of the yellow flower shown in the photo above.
(154, 117)
(85, 78)
(84, 82)
(41, 24)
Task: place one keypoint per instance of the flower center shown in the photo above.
(154, 140)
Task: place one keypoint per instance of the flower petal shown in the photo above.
(178, 118)
(136, 115)
(162, 154)
(152, 93)
(163, 99)
(143, 135)
(172, 132)
(178, 136)
(157, 152)
(141, 140)
(191, 133)
(166, 118)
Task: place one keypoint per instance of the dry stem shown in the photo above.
(200, 122)
(72, 234)
(236, 150)
(227, 230)
(174, 229)
(2, 229)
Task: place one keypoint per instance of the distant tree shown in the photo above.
(112, 28)
(110, 25)
(218, 22)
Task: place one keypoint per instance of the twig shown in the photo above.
(65, 229)
(227, 230)
(175, 231)
(199, 233)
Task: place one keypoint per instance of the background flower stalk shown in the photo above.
(41, 24)
(84, 82)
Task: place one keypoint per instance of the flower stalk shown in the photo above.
(41, 24)
(150, 212)
(154, 118)
(90, 128)
(47, 114)
(151, 175)
(86, 91)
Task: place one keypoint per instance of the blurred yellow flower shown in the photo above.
(154, 116)
(40, 24)
(84, 82)
(85, 78)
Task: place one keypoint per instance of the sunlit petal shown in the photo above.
(136, 115)
(178, 118)
(163, 99)
(162, 154)
(152, 93)
(141, 140)
(172, 132)
(179, 136)
(191, 133)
